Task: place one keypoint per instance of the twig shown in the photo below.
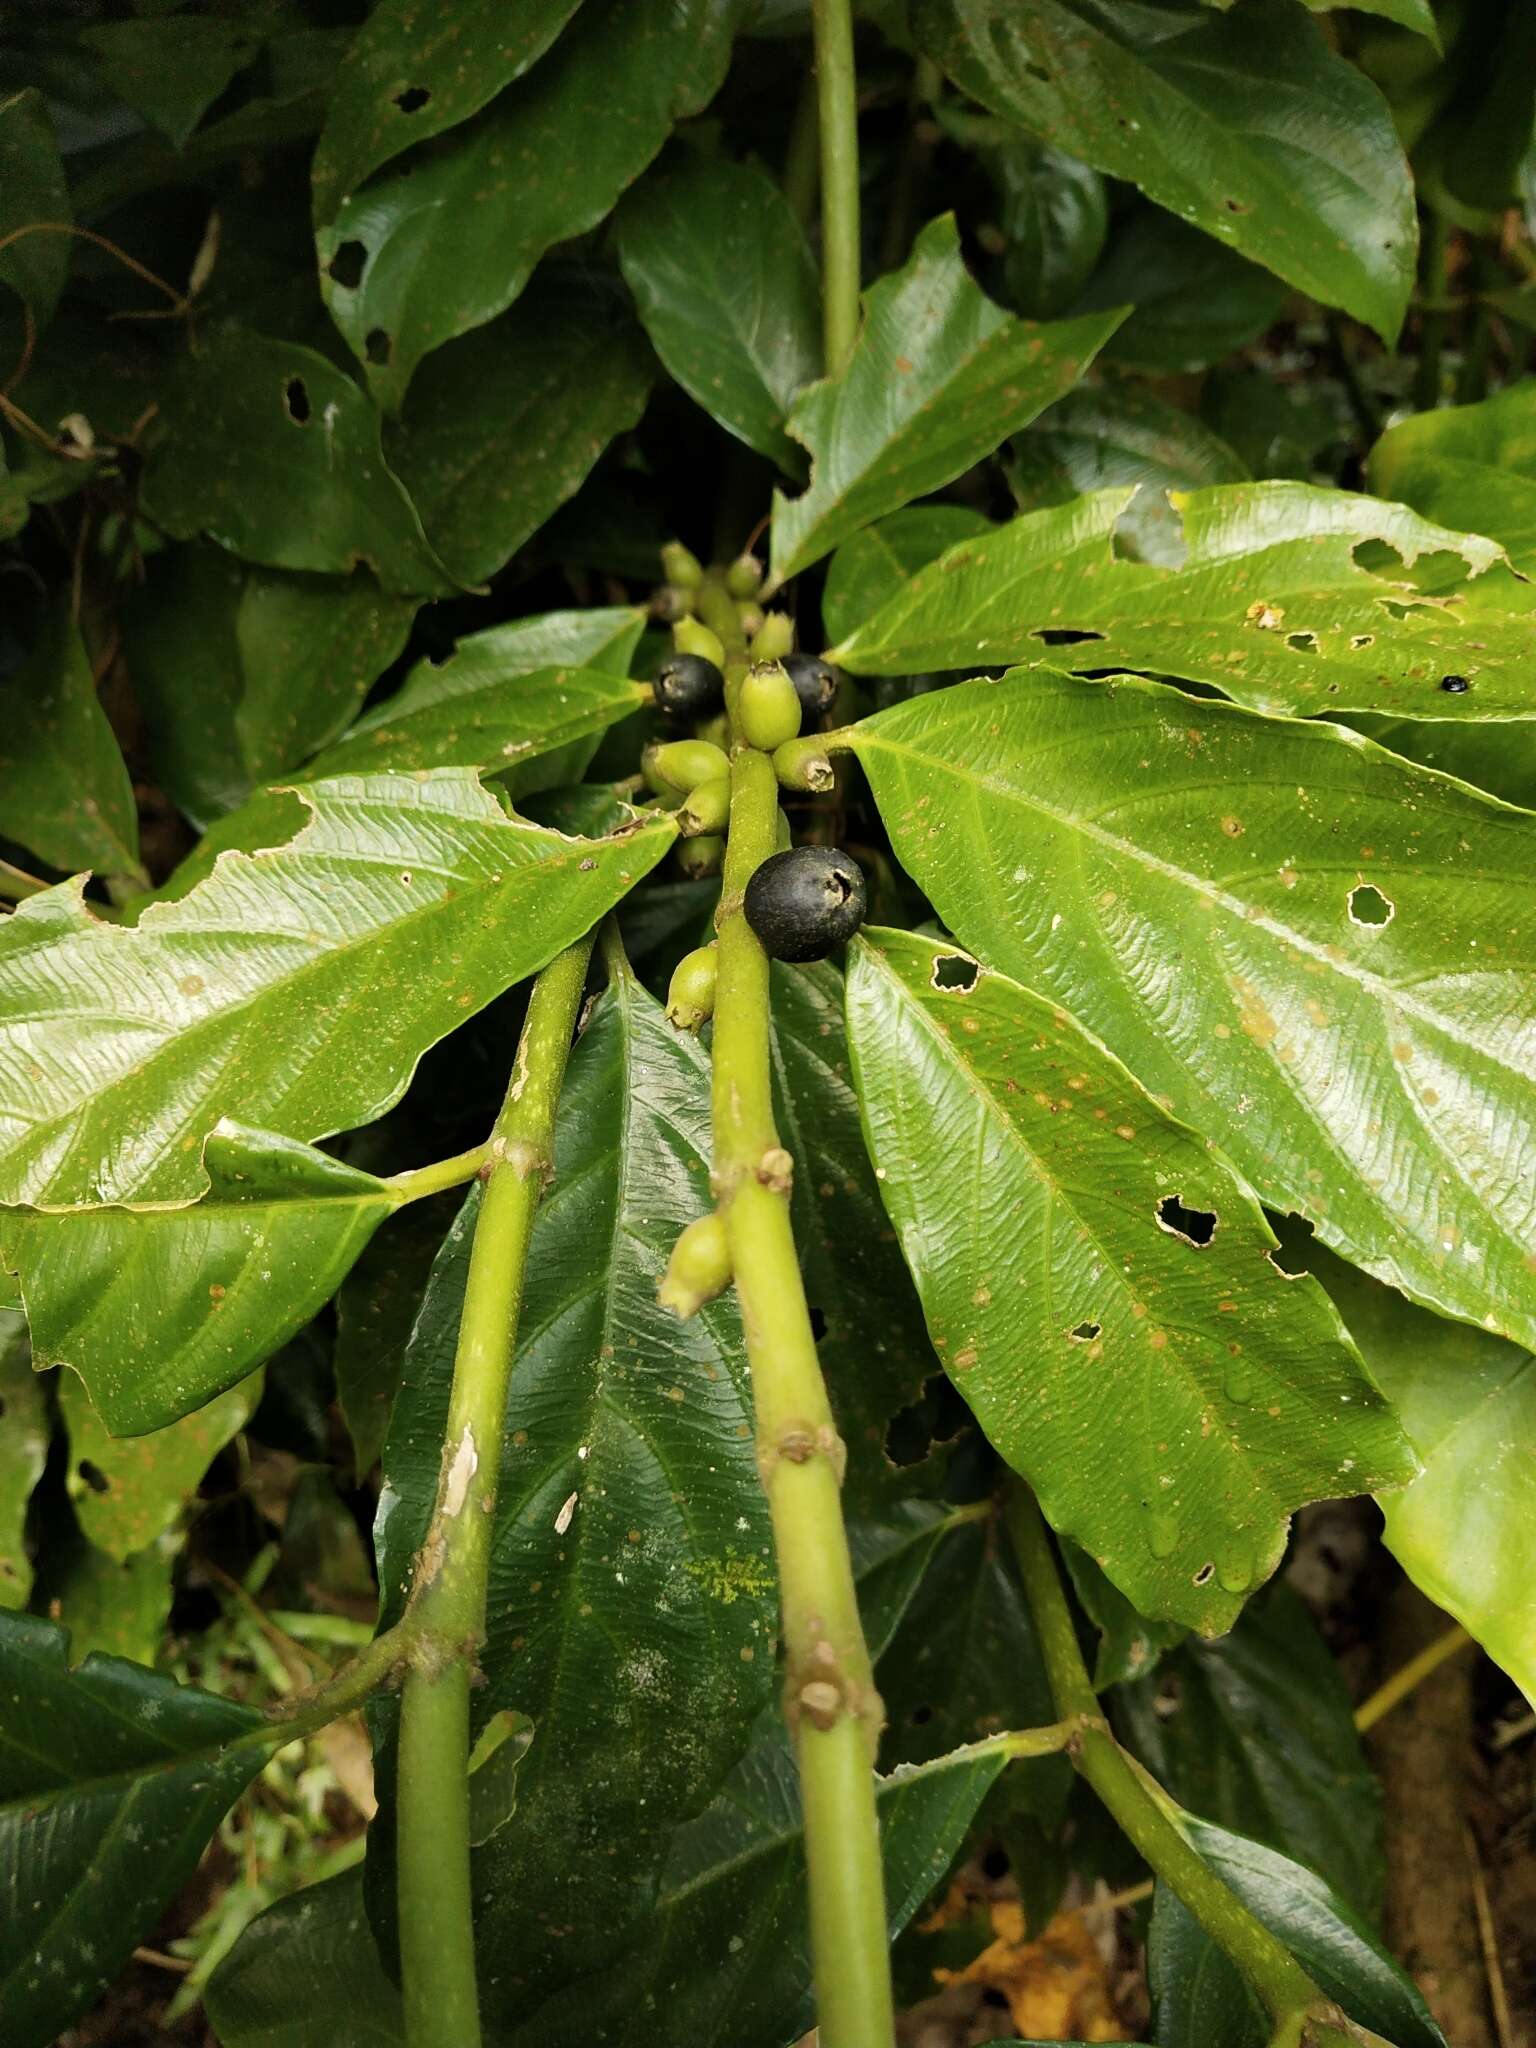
(837, 101)
(1412, 1674)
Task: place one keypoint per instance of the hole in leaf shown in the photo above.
(1063, 636)
(1236, 206)
(996, 1863)
(1277, 1257)
(1085, 1332)
(1358, 640)
(1205, 1574)
(1455, 686)
(955, 971)
(296, 401)
(346, 267)
(818, 1323)
(935, 1417)
(1367, 905)
(1037, 72)
(1195, 1226)
(378, 347)
(1304, 643)
(995, 1999)
(920, 1716)
(94, 1477)
(413, 99)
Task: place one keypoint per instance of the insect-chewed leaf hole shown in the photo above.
(1063, 636)
(413, 99)
(1304, 643)
(377, 346)
(1205, 1574)
(818, 1317)
(1085, 1332)
(346, 267)
(1367, 905)
(296, 401)
(94, 1477)
(935, 1417)
(955, 972)
(1195, 1226)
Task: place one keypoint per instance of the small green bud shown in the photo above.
(744, 578)
(767, 706)
(684, 764)
(692, 636)
(774, 638)
(708, 808)
(681, 567)
(699, 1268)
(804, 764)
(750, 614)
(702, 856)
(691, 992)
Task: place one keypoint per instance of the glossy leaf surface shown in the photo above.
(23, 1453)
(172, 71)
(874, 563)
(306, 1974)
(1192, 300)
(1204, 890)
(1131, 1372)
(1472, 466)
(725, 285)
(111, 1782)
(1129, 1643)
(376, 1306)
(939, 377)
(415, 895)
(1244, 122)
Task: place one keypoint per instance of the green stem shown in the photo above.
(447, 1605)
(1433, 285)
(421, 1181)
(16, 883)
(837, 102)
(833, 1710)
(1138, 1806)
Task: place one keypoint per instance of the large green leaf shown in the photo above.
(32, 192)
(376, 1305)
(1130, 1643)
(1257, 1732)
(542, 164)
(306, 1974)
(726, 287)
(1497, 755)
(1312, 951)
(1054, 218)
(276, 455)
(1169, 1397)
(1198, 1997)
(939, 377)
(1193, 300)
(1468, 1402)
(243, 672)
(64, 790)
(1471, 466)
(118, 1607)
(1245, 123)
(1272, 605)
(23, 1453)
(406, 78)
(172, 69)
(554, 381)
(159, 1306)
(633, 1609)
(111, 1782)
(874, 563)
(406, 904)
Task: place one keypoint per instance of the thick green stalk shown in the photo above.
(831, 1704)
(446, 1614)
(837, 101)
(1139, 1807)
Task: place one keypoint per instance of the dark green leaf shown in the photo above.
(276, 455)
(873, 564)
(1205, 890)
(1129, 1643)
(172, 69)
(1468, 163)
(111, 1782)
(1194, 300)
(1498, 755)
(306, 1974)
(541, 165)
(23, 1453)
(414, 895)
(1054, 219)
(375, 1308)
(1198, 1997)
(1245, 123)
(33, 196)
(1169, 1397)
(724, 281)
(1469, 466)
(118, 1607)
(405, 78)
(939, 377)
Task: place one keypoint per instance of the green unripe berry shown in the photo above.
(681, 566)
(692, 636)
(701, 857)
(684, 764)
(774, 638)
(708, 808)
(767, 706)
(716, 730)
(804, 764)
(691, 991)
(699, 1268)
(744, 577)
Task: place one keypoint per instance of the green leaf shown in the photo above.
(306, 1974)
(412, 895)
(128, 1491)
(1414, 14)
(554, 381)
(1169, 1396)
(160, 1306)
(64, 791)
(375, 1308)
(276, 455)
(1496, 755)
(1272, 604)
(542, 164)
(1257, 1731)
(244, 672)
(633, 1598)
(1197, 1994)
(23, 1454)
(1129, 1643)
(1109, 434)
(1203, 890)
(1468, 1403)
(1469, 161)
(1471, 466)
(1194, 300)
(727, 290)
(172, 69)
(873, 564)
(118, 1607)
(405, 79)
(111, 1782)
(1055, 215)
(938, 378)
(32, 192)
(1245, 123)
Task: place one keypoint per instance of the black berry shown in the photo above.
(804, 903)
(689, 686)
(1455, 685)
(816, 683)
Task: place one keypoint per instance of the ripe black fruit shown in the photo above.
(816, 683)
(689, 686)
(804, 903)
